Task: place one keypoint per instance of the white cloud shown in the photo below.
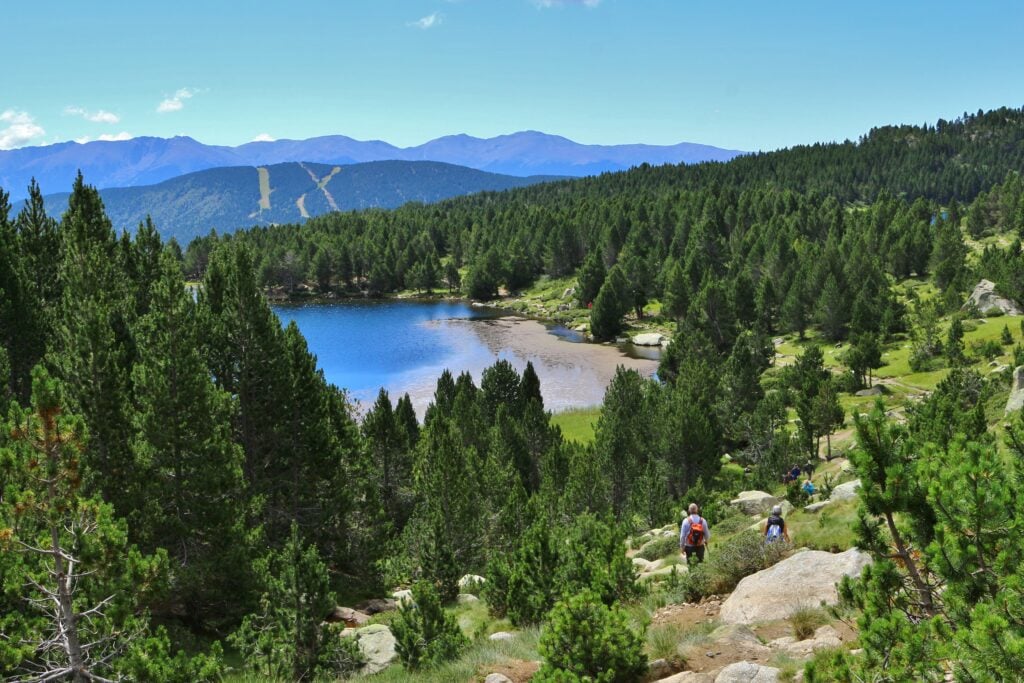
(429, 21)
(177, 102)
(21, 129)
(544, 4)
(99, 116)
(264, 137)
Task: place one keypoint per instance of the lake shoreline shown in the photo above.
(574, 372)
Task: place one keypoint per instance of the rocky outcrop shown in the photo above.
(649, 339)
(497, 678)
(754, 502)
(377, 605)
(816, 507)
(847, 491)
(1016, 400)
(824, 638)
(985, 298)
(687, 677)
(471, 582)
(350, 617)
(806, 579)
(378, 647)
(739, 640)
(747, 672)
(876, 390)
(501, 635)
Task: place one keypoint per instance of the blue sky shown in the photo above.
(741, 74)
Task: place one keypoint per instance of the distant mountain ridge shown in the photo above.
(150, 160)
(243, 196)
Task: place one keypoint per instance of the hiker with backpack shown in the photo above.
(775, 526)
(694, 536)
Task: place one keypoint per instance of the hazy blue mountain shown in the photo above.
(243, 196)
(147, 160)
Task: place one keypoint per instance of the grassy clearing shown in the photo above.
(830, 529)
(482, 657)
(577, 424)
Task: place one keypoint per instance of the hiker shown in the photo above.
(809, 487)
(694, 536)
(775, 526)
(794, 474)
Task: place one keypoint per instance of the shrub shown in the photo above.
(426, 635)
(796, 495)
(658, 548)
(339, 657)
(726, 564)
(585, 640)
(993, 312)
(1006, 337)
(805, 621)
(549, 564)
(987, 349)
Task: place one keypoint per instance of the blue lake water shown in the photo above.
(404, 345)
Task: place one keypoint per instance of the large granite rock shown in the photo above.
(747, 672)
(1016, 400)
(378, 647)
(471, 582)
(497, 678)
(847, 491)
(754, 502)
(648, 339)
(984, 297)
(806, 579)
(687, 677)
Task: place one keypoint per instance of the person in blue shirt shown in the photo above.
(809, 487)
(694, 535)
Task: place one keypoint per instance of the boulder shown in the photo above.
(351, 617)
(1016, 400)
(688, 677)
(648, 339)
(802, 580)
(501, 635)
(824, 638)
(378, 647)
(471, 581)
(658, 669)
(402, 596)
(497, 678)
(466, 599)
(377, 605)
(571, 291)
(847, 491)
(876, 390)
(640, 564)
(984, 297)
(740, 641)
(754, 502)
(747, 672)
(816, 507)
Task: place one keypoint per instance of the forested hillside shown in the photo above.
(212, 498)
(226, 199)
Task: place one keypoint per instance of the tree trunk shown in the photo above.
(915, 575)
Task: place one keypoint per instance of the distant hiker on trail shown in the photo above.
(775, 526)
(694, 536)
(809, 487)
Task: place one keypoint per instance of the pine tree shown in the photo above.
(621, 441)
(187, 474)
(82, 587)
(282, 638)
(676, 299)
(40, 245)
(612, 302)
(21, 309)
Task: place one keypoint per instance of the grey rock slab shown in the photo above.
(769, 594)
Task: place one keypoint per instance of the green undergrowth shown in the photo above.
(577, 424)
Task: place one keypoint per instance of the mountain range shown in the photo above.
(150, 160)
(242, 196)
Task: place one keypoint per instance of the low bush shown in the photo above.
(805, 621)
(426, 635)
(586, 640)
(727, 564)
(658, 548)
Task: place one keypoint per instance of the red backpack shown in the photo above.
(696, 535)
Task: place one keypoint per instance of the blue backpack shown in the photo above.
(774, 532)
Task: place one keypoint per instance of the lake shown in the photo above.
(404, 345)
